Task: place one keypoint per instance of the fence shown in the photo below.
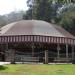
(40, 57)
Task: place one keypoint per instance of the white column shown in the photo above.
(46, 56)
(12, 51)
(7, 57)
(58, 51)
(72, 52)
(33, 49)
(67, 51)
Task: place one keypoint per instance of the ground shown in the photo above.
(37, 69)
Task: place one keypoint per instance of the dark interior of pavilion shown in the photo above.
(35, 52)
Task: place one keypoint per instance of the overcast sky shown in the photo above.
(7, 6)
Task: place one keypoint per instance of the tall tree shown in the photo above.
(65, 1)
(67, 21)
(29, 13)
(40, 9)
(43, 9)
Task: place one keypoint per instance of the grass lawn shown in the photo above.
(37, 69)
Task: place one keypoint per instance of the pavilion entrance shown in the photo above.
(28, 52)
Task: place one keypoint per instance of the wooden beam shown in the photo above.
(67, 51)
(58, 51)
(7, 58)
(72, 52)
(12, 56)
(46, 56)
(32, 49)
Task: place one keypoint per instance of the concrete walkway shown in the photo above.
(3, 63)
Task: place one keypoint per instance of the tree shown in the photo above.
(66, 17)
(39, 9)
(15, 16)
(67, 21)
(44, 9)
(65, 1)
(66, 7)
(3, 21)
(28, 15)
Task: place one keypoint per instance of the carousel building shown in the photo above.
(35, 41)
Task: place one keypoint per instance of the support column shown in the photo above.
(33, 49)
(7, 57)
(58, 51)
(9, 54)
(46, 56)
(12, 56)
(72, 52)
(2, 52)
(67, 51)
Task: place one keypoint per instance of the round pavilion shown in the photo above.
(35, 41)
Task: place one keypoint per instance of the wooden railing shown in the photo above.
(27, 59)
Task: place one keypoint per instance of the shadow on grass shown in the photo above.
(3, 67)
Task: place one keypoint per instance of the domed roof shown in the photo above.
(34, 27)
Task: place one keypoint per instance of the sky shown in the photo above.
(7, 6)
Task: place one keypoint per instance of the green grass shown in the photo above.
(37, 69)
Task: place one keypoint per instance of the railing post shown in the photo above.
(67, 51)
(33, 49)
(46, 56)
(72, 52)
(58, 51)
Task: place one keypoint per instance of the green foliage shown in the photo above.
(67, 21)
(2, 21)
(65, 1)
(39, 9)
(43, 10)
(2, 68)
(28, 15)
(11, 17)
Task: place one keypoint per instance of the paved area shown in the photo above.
(3, 63)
